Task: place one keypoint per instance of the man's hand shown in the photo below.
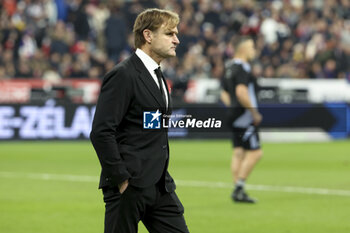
(122, 186)
(257, 118)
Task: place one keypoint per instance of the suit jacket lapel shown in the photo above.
(147, 79)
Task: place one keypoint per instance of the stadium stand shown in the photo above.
(58, 39)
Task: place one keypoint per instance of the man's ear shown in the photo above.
(147, 34)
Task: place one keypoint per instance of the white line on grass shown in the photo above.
(285, 189)
(188, 183)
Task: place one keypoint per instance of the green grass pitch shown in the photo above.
(51, 187)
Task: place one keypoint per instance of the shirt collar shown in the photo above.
(246, 65)
(150, 64)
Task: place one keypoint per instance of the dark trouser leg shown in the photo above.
(122, 210)
(166, 215)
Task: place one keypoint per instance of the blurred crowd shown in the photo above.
(55, 39)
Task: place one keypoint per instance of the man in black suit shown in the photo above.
(135, 182)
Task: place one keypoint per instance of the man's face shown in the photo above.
(250, 49)
(164, 42)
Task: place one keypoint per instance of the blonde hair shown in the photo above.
(239, 41)
(153, 19)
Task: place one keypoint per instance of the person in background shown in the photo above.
(239, 93)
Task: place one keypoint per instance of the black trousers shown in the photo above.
(160, 212)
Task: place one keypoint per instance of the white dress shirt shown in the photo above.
(151, 65)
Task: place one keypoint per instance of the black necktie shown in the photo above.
(159, 77)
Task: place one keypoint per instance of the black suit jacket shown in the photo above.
(126, 150)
